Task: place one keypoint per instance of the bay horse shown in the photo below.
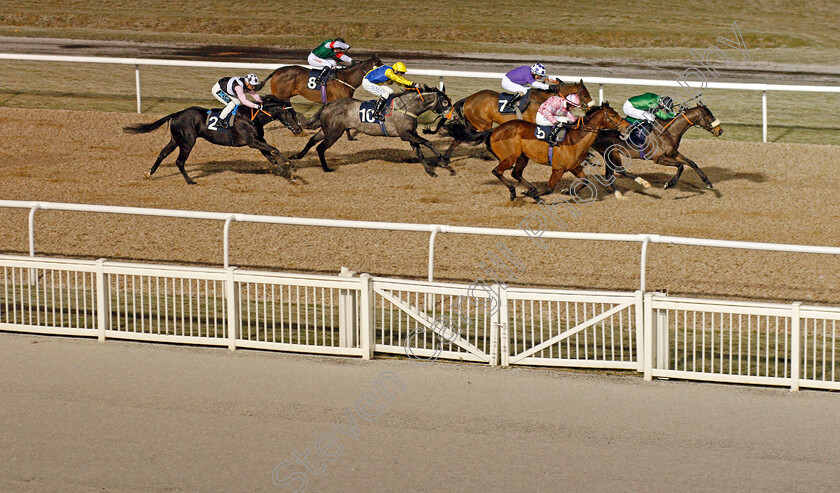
(514, 143)
(480, 111)
(337, 116)
(187, 125)
(293, 80)
(660, 146)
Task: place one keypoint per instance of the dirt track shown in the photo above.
(771, 192)
(118, 416)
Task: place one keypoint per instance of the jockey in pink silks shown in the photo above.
(555, 111)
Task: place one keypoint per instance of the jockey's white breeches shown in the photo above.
(376, 89)
(541, 120)
(226, 99)
(320, 62)
(632, 112)
(513, 87)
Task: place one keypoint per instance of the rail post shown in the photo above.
(650, 338)
(32, 241)
(441, 85)
(499, 332)
(643, 264)
(232, 300)
(137, 84)
(795, 339)
(103, 300)
(368, 331)
(226, 240)
(348, 326)
(764, 116)
(641, 350)
(600, 93)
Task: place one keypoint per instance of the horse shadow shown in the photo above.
(388, 155)
(239, 166)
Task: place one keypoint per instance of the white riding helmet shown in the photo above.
(252, 79)
(538, 69)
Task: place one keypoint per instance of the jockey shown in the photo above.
(516, 80)
(375, 81)
(646, 108)
(231, 92)
(327, 55)
(555, 111)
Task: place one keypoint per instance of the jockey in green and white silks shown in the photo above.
(649, 107)
(327, 55)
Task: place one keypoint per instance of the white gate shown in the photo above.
(427, 321)
(571, 328)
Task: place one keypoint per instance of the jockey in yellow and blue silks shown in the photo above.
(375, 80)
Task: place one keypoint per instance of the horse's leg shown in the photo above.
(167, 150)
(186, 147)
(448, 154)
(328, 141)
(669, 161)
(521, 163)
(696, 168)
(351, 136)
(414, 138)
(552, 184)
(429, 168)
(271, 153)
(318, 137)
(499, 172)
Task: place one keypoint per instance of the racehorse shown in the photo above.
(660, 146)
(514, 143)
(294, 80)
(337, 116)
(247, 130)
(481, 110)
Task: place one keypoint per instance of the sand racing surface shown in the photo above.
(772, 192)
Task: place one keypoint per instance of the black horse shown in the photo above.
(247, 130)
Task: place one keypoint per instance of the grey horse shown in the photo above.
(337, 116)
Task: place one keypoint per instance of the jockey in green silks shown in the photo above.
(647, 107)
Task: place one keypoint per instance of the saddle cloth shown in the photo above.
(212, 120)
(367, 107)
(542, 132)
(504, 97)
(312, 80)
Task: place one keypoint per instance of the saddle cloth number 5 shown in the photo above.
(540, 133)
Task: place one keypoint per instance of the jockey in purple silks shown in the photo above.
(517, 80)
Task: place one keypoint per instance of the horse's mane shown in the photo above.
(591, 111)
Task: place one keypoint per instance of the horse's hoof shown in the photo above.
(668, 185)
(620, 196)
(709, 186)
(641, 181)
(451, 171)
(328, 170)
(147, 175)
(192, 183)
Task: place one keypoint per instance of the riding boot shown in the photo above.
(324, 75)
(511, 104)
(558, 133)
(379, 109)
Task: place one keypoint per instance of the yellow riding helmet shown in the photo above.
(399, 67)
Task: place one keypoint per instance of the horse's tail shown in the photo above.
(265, 80)
(461, 132)
(315, 121)
(142, 128)
(487, 142)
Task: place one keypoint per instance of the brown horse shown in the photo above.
(661, 146)
(293, 80)
(514, 143)
(481, 110)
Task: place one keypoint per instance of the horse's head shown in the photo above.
(707, 120)
(579, 89)
(604, 117)
(371, 63)
(281, 109)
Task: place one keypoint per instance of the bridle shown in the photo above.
(284, 109)
(586, 128)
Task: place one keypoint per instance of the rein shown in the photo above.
(254, 113)
(690, 124)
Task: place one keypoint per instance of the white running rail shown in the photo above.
(137, 62)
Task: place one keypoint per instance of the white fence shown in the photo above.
(528, 230)
(601, 81)
(723, 341)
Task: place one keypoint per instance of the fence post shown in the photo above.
(137, 82)
(662, 341)
(367, 329)
(442, 86)
(600, 93)
(232, 300)
(764, 116)
(504, 337)
(32, 240)
(640, 331)
(347, 317)
(103, 300)
(650, 337)
(795, 330)
(496, 324)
